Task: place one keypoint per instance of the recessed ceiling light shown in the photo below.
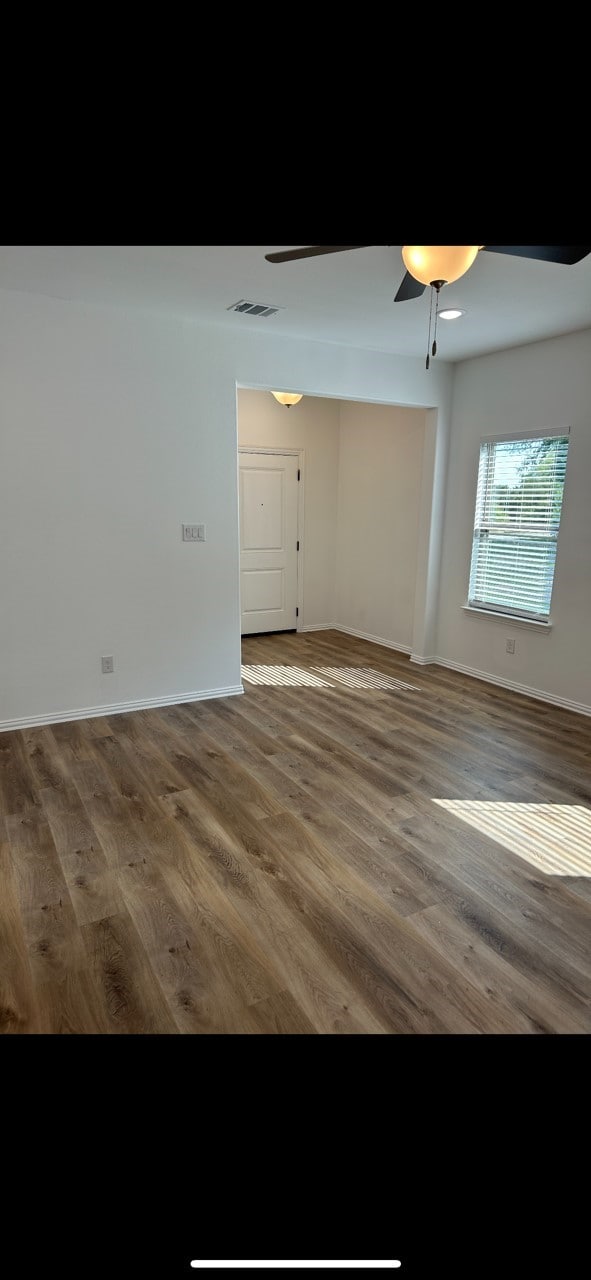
(452, 313)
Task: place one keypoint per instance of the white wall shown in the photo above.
(547, 384)
(380, 473)
(115, 428)
(311, 425)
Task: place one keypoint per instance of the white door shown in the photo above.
(268, 541)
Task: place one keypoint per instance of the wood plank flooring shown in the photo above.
(278, 863)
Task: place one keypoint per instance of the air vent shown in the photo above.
(254, 308)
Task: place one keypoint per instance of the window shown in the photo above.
(518, 505)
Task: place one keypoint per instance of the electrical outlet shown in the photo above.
(510, 646)
(107, 665)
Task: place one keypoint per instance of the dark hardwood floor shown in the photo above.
(386, 848)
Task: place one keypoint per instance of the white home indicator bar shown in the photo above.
(252, 1265)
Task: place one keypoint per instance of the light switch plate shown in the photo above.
(193, 533)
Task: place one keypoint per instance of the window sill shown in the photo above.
(510, 619)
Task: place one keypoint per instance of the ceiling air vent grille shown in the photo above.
(254, 308)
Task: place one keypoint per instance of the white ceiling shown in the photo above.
(345, 298)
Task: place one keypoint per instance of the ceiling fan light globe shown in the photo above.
(443, 262)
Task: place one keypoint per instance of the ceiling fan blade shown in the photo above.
(313, 251)
(567, 254)
(410, 288)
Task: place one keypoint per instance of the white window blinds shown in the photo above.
(518, 506)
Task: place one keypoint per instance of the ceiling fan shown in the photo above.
(425, 264)
(438, 265)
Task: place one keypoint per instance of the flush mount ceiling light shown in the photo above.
(452, 313)
(287, 398)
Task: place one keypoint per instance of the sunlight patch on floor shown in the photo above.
(281, 675)
(321, 677)
(554, 838)
(363, 678)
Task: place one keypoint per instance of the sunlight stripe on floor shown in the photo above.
(258, 673)
(364, 678)
(554, 838)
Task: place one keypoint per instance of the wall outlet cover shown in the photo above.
(193, 533)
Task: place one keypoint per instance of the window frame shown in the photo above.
(488, 609)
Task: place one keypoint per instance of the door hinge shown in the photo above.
(297, 613)
(299, 473)
(298, 545)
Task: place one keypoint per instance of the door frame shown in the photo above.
(292, 453)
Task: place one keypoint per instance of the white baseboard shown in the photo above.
(361, 635)
(540, 694)
(135, 704)
(144, 704)
(320, 626)
(419, 660)
(365, 635)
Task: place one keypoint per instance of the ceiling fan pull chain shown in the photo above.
(427, 361)
(434, 347)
